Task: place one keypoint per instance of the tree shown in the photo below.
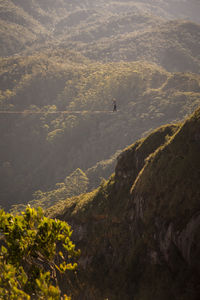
(34, 249)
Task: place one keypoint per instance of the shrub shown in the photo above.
(34, 249)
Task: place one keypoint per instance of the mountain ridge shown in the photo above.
(132, 231)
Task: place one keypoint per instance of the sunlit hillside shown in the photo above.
(105, 30)
(173, 45)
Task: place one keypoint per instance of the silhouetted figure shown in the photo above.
(114, 105)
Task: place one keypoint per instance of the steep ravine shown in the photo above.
(139, 232)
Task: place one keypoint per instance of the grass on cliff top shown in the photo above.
(170, 180)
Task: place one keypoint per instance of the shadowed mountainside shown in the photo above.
(140, 229)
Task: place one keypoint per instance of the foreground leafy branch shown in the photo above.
(34, 249)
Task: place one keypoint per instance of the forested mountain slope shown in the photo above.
(139, 231)
(19, 30)
(105, 30)
(70, 123)
(174, 45)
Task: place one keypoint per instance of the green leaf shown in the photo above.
(4, 250)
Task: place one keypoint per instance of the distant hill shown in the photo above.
(140, 229)
(19, 30)
(177, 9)
(174, 45)
(105, 30)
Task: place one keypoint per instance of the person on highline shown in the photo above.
(114, 105)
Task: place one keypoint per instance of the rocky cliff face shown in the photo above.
(139, 232)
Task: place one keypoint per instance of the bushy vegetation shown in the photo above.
(34, 249)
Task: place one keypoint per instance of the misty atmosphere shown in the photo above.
(100, 127)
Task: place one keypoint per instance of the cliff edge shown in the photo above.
(139, 231)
